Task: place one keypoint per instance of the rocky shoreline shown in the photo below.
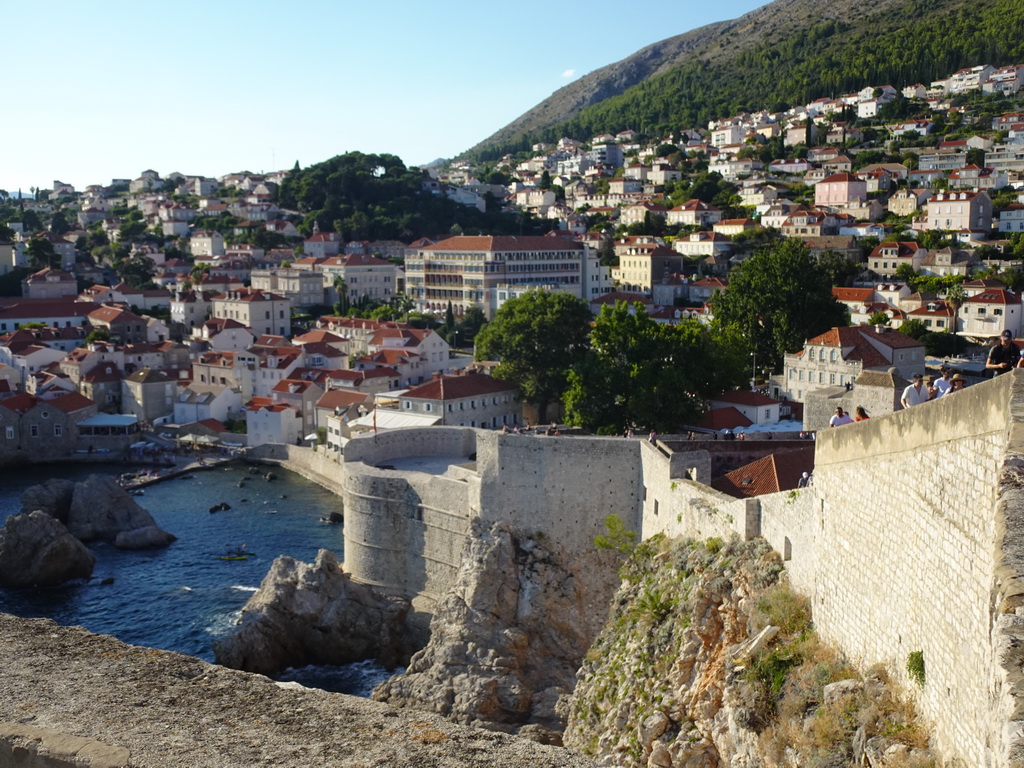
(156, 709)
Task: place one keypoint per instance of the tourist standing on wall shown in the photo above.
(915, 393)
(1004, 355)
(860, 414)
(945, 382)
(840, 418)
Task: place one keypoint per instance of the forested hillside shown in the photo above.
(813, 56)
(376, 197)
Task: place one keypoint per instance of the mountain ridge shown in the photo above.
(799, 29)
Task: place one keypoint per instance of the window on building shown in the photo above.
(34, 430)
(58, 430)
(10, 433)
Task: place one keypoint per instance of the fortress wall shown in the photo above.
(312, 465)
(395, 443)
(907, 555)
(404, 532)
(675, 505)
(792, 522)
(563, 486)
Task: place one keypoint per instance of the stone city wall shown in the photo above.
(563, 486)
(911, 539)
(905, 554)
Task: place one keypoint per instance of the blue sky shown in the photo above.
(106, 90)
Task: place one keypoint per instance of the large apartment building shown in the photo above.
(467, 271)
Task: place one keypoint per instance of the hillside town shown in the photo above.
(199, 313)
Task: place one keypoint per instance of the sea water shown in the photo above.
(184, 597)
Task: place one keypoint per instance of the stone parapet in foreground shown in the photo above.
(71, 698)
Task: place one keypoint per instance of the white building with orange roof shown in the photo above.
(270, 422)
(432, 349)
(694, 213)
(364, 276)
(838, 356)
(470, 400)
(260, 311)
(990, 312)
(758, 408)
(466, 270)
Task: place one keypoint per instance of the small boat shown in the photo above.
(239, 553)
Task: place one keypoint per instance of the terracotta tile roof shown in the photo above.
(103, 373)
(724, 418)
(322, 348)
(389, 357)
(213, 424)
(499, 243)
(613, 298)
(860, 295)
(855, 336)
(318, 335)
(994, 296)
(112, 315)
(745, 397)
(771, 474)
(457, 387)
(341, 398)
(293, 386)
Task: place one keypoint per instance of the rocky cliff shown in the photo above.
(315, 614)
(506, 641)
(708, 660)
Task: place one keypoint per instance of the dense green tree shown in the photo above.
(136, 270)
(840, 269)
(41, 254)
(642, 374)
(915, 328)
(776, 300)
(536, 338)
(470, 323)
(59, 223)
(955, 297)
(342, 305)
(31, 221)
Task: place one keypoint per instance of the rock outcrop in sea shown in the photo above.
(37, 550)
(97, 509)
(315, 614)
(44, 545)
(507, 639)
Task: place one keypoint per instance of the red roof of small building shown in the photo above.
(771, 474)
(457, 387)
(745, 397)
(724, 418)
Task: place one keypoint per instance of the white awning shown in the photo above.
(394, 419)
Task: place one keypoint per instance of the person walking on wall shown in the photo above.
(860, 414)
(915, 393)
(840, 418)
(1004, 355)
(945, 382)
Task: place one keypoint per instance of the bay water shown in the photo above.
(184, 597)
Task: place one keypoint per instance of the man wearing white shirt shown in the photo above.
(945, 383)
(840, 418)
(915, 393)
